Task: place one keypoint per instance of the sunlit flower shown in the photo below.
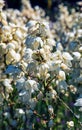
(50, 109)
(61, 75)
(2, 48)
(1, 4)
(20, 111)
(67, 56)
(77, 55)
(80, 49)
(7, 84)
(78, 102)
(70, 124)
(34, 42)
(73, 89)
(12, 56)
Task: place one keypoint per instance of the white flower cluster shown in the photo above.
(34, 66)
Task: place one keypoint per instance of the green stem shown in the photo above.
(69, 109)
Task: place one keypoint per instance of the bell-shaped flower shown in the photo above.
(80, 49)
(2, 48)
(12, 56)
(67, 56)
(7, 84)
(1, 4)
(78, 102)
(61, 75)
(28, 55)
(34, 42)
(31, 85)
(77, 55)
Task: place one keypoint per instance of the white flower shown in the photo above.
(45, 25)
(61, 75)
(14, 44)
(25, 89)
(78, 102)
(23, 93)
(43, 28)
(68, 63)
(20, 111)
(70, 124)
(12, 56)
(3, 16)
(59, 46)
(52, 65)
(77, 55)
(71, 34)
(50, 109)
(23, 29)
(80, 31)
(34, 42)
(67, 56)
(7, 115)
(18, 57)
(73, 89)
(51, 94)
(64, 66)
(80, 49)
(28, 55)
(43, 70)
(31, 23)
(7, 28)
(6, 36)
(31, 85)
(10, 45)
(18, 34)
(7, 84)
(80, 109)
(1, 4)
(2, 48)
(51, 42)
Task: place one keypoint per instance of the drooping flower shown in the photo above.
(78, 102)
(70, 124)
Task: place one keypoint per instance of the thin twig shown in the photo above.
(69, 109)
